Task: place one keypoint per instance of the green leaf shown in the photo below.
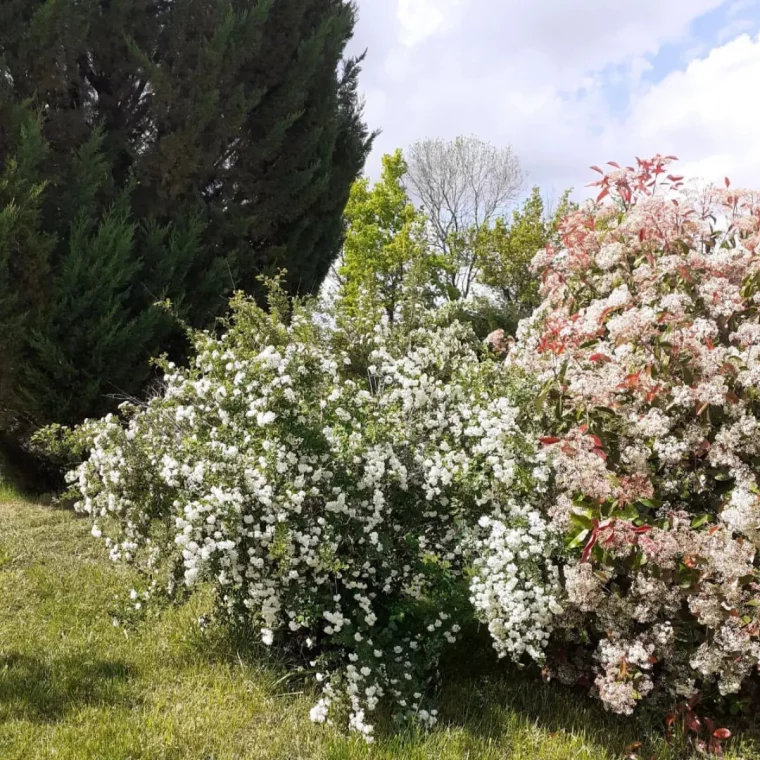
(629, 513)
(578, 540)
(582, 519)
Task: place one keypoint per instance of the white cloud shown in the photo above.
(421, 19)
(707, 114)
(588, 35)
(564, 83)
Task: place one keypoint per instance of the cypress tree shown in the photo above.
(183, 149)
(24, 260)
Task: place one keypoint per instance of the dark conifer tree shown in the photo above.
(156, 149)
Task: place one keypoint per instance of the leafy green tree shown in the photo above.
(159, 149)
(386, 262)
(506, 250)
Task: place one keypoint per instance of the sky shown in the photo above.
(569, 83)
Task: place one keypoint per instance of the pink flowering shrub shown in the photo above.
(647, 346)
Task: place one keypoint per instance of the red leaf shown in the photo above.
(597, 169)
(652, 394)
(601, 454)
(674, 178)
(693, 723)
(614, 163)
(727, 181)
(589, 546)
(547, 440)
(599, 357)
(632, 380)
(605, 192)
(597, 441)
(722, 733)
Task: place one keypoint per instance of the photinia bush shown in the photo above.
(337, 512)
(647, 350)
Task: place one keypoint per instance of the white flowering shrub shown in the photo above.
(358, 493)
(647, 348)
(337, 512)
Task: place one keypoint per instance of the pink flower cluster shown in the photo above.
(647, 346)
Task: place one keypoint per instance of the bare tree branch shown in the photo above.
(463, 185)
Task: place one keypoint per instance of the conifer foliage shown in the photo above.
(150, 150)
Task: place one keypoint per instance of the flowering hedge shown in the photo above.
(360, 494)
(647, 346)
(335, 511)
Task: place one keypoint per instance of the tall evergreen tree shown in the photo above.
(24, 261)
(185, 147)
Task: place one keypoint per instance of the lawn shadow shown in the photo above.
(481, 693)
(45, 692)
(477, 693)
(487, 707)
(276, 669)
(488, 699)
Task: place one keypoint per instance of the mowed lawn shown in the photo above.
(74, 686)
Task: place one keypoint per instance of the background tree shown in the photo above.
(464, 185)
(183, 149)
(386, 261)
(506, 249)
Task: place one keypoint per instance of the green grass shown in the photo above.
(7, 492)
(74, 686)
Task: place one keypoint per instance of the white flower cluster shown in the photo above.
(517, 586)
(335, 508)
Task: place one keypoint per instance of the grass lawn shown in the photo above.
(74, 686)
